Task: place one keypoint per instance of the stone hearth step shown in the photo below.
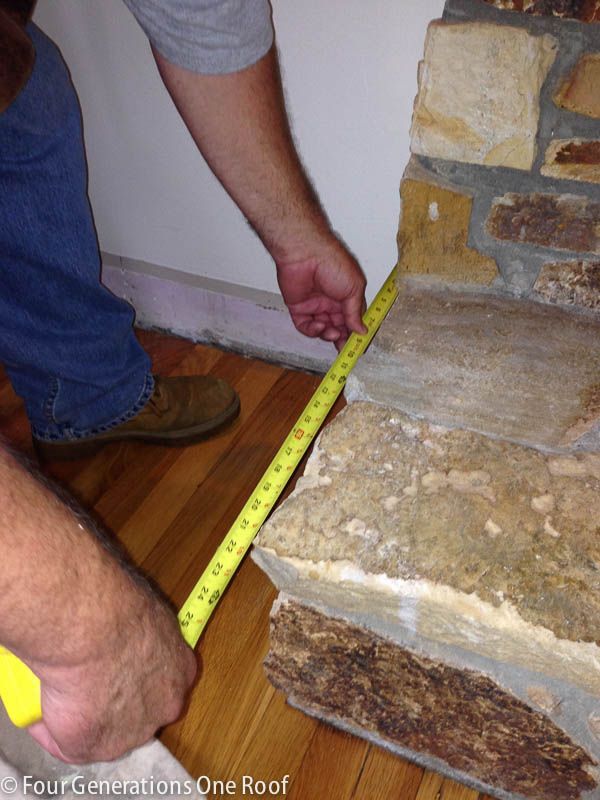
(441, 596)
(522, 370)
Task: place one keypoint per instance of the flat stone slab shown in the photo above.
(525, 371)
(457, 722)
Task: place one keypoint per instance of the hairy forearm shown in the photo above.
(58, 580)
(108, 651)
(239, 123)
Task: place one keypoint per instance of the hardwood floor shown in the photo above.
(171, 508)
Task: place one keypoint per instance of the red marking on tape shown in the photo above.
(299, 433)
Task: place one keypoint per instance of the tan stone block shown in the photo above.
(476, 544)
(455, 721)
(573, 159)
(561, 221)
(571, 283)
(579, 91)
(479, 88)
(582, 10)
(432, 238)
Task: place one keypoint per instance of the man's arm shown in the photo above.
(239, 123)
(112, 663)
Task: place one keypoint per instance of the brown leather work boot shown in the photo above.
(180, 411)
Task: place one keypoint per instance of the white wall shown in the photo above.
(350, 75)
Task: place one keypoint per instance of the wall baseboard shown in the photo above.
(248, 321)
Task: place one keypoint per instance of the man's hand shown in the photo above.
(324, 292)
(101, 709)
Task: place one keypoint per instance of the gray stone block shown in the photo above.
(520, 370)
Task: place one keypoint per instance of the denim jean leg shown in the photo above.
(67, 342)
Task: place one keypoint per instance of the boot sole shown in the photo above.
(81, 448)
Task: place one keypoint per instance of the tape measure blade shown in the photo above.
(209, 589)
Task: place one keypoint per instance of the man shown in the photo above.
(67, 343)
(112, 664)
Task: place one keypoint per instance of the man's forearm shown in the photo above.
(108, 651)
(56, 575)
(239, 123)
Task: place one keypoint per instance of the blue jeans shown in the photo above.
(67, 343)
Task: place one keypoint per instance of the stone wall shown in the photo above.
(506, 125)
(501, 196)
(439, 561)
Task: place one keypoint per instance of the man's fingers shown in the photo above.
(353, 310)
(331, 334)
(310, 327)
(314, 306)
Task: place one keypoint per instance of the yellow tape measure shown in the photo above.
(20, 688)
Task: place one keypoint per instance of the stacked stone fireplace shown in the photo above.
(439, 561)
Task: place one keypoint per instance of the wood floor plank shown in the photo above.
(277, 745)
(10, 402)
(14, 426)
(15, 429)
(435, 787)
(213, 749)
(202, 360)
(387, 777)
(455, 791)
(166, 352)
(430, 787)
(228, 699)
(331, 767)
